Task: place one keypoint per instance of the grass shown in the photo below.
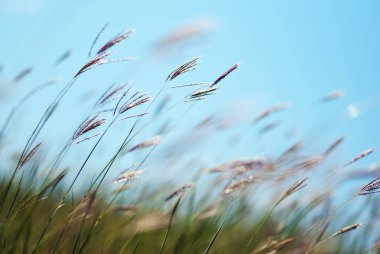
(43, 210)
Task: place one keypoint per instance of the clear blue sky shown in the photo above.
(294, 51)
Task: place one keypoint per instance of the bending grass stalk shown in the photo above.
(3, 225)
(340, 232)
(127, 138)
(56, 162)
(137, 245)
(188, 66)
(63, 152)
(329, 216)
(48, 113)
(102, 214)
(73, 182)
(18, 234)
(55, 182)
(24, 200)
(88, 209)
(217, 232)
(55, 165)
(95, 222)
(73, 213)
(122, 250)
(89, 155)
(15, 197)
(321, 234)
(175, 207)
(294, 188)
(45, 117)
(152, 149)
(261, 224)
(127, 141)
(214, 238)
(110, 163)
(71, 186)
(96, 39)
(177, 72)
(20, 103)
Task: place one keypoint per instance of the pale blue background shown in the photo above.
(290, 51)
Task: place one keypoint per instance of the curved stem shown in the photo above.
(45, 117)
(262, 223)
(19, 104)
(318, 244)
(101, 215)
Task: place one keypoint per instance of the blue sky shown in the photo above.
(290, 51)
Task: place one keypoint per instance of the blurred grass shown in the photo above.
(120, 231)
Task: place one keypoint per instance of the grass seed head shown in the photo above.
(29, 155)
(186, 67)
(347, 229)
(116, 40)
(147, 143)
(127, 176)
(361, 156)
(224, 75)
